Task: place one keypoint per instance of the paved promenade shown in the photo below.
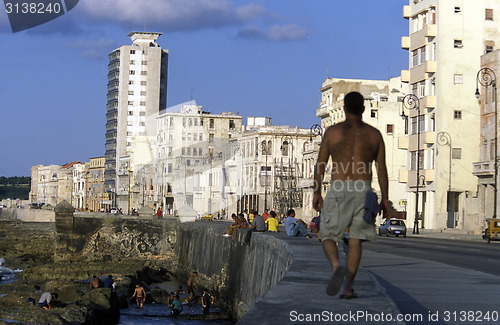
(390, 287)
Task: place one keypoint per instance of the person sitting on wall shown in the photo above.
(258, 223)
(272, 222)
(233, 229)
(295, 227)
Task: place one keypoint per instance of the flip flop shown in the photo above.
(336, 281)
(353, 296)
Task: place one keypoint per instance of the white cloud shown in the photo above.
(171, 15)
(94, 49)
(275, 33)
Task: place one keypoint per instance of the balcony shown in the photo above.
(405, 75)
(420, 72)
(403, 142)
(419, 38)
(322, 111)
(412, 177)
(405, 42)
(483, 169)
(428, 101)
(406, 12)
(403, 176)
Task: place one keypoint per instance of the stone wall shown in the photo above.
(27, 214)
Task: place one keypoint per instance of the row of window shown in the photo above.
(141, 103)
(194, 137)
(132, 62)
(456, 153)
(143, 82)
(131, 113)
(132, 72)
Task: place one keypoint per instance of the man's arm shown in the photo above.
(383, 180)
(319, 172)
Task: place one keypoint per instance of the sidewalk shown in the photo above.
(300, 297)
(455, 234)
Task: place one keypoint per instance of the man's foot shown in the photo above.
(353, 295)
(336, 281)
(308, 236)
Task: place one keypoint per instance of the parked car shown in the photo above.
(3, 206)
(394, 227)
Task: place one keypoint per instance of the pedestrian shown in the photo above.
(258, 223)
(295, 227)
(176, 306)
(265, 215)
(272, 222)
(191, 284)
(46, 299)
(140, 295)
(159, 213)
(206, 300)
(353, 147)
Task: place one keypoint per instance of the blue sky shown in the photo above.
(258, 58)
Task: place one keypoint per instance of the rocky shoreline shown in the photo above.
(30, 247)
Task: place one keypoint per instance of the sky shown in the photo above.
(257, 58)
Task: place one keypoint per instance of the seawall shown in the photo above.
(238, 271)
(28, 215)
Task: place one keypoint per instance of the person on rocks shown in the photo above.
(109, 283)
(45, 300)
(206, 300)
(176, 306)
(191, 284)
(95, 283)
(140, 295)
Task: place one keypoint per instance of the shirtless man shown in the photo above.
(140, 295)
(353, 146)
(190, 284)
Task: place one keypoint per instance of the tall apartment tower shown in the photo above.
(446, 41)
(137, 88)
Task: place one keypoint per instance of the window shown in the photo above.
(142, 103)
(201, 137)
(458, 78)
(131, 72)
(130, 82)
(170, 150)
(457, 115)
(489, 46)
(143, 73)
(190, 122)
(130, 113)
(184, 122)
(143, 83)
(130, 92)
(183, 151)
(390, 128)
(142, 113)
(183, 136)
(143, 93)
(132, 51)
(169, 168)
(231, 125)
(200, 151)
(488, 14)
(212, 123)
(458, 44)
(132, 62)
(130, 102)
(195, 136)
(195, 122)
(456, 153)
(189, 136)
(492, 149)
(188, 151)
(211, 138)
(374, 113)
(458, 10)
(144, 62)
(142, 123)
(422, 55)
(195, 151)
(413, 125)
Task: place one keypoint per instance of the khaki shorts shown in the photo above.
(344, 207)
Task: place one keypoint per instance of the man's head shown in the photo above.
(291, 213)
(195, 273)
(54, 295)
(273, 214)
(354, 103)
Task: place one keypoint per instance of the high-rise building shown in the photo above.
(446, 40)
(137, 89)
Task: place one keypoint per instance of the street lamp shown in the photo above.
(210, 179)
(239, 151)
(315, 131)
(487, 77)
(263, 148)
(288, 139)
(410, 102)
(444, 139)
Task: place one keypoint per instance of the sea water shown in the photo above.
(7, 275)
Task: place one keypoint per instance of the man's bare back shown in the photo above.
(353, 147)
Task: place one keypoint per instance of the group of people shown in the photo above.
(174, 299)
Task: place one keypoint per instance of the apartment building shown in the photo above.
(446, 40)
(383, 110)
(137, 89)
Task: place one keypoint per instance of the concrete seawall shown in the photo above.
(238, 271)
(28, 215)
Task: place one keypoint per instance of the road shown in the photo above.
(443, 281)
(473, 255)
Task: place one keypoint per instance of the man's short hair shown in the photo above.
(354, 103)
(273, 214)
(290, 212)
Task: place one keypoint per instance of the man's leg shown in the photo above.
(301, 230)
(295, 230)
(353, 260)
(331, 252)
